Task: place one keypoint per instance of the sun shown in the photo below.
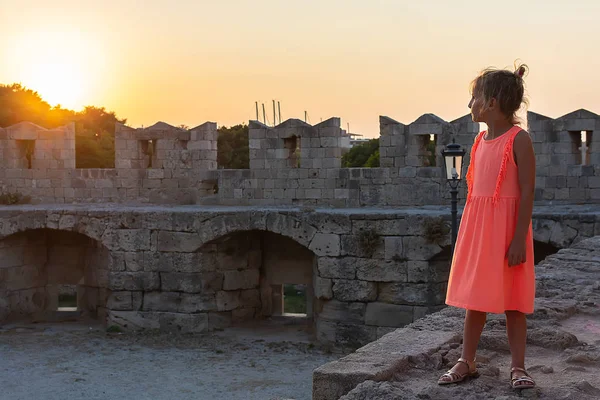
(58, 83)
(62, 67)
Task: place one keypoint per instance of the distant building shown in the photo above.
(349, 140)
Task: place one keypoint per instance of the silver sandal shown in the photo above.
(455, 377)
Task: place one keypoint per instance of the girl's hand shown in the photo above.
(517, 253)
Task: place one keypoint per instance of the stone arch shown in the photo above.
(94, 228)
(281, 224)
(37, 265)
(243, 274)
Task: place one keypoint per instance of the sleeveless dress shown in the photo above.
(480, 278)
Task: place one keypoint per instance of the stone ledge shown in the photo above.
(377, 361)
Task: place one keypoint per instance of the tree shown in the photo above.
(362, 155)
(94, 126)
(232, 145)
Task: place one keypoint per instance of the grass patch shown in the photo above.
(294, 299)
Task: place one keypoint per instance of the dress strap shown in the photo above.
(471, 169)
(506, 155)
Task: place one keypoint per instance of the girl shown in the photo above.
(492, 268)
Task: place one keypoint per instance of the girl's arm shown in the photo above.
(525, 160)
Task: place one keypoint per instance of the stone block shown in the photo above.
(158, 262)
(127, 239)
(243, 314)
(134, 281)
(344, 267)
(394, 248)
(191, 262)
(417, 248)
(351, 313)
(120, 301)
(389, 315)
(382, 271)
(208, 282)
(161, 301)
(291, 227)
(179, 241)
(354, 290)
(325, 244)
(194, 303)
(227, 301)
(323, 288)
(355, 246)
(419, 272)
(244, 279)
(410, 293)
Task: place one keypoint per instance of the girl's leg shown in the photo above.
(516, 329)
(474, 323)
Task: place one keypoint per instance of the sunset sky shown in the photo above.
(189, 61)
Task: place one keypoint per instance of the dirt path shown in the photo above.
(76, 361)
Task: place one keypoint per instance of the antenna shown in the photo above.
(305, 115)
(256, 103)
(348, 128)
(279, 107)
(264, 114)
(274, 115)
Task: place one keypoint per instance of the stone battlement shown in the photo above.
(294, 163)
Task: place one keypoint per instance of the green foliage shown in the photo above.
(114, 329)
(94, 126)
(9, 199)
(294, 300)
(373, 161)
(232, 145)
(436, 230)
(362, 155)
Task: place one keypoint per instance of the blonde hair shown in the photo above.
(508, 88)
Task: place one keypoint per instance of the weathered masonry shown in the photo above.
(193, 269)
(291, 164)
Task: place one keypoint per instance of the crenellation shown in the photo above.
(292, 163)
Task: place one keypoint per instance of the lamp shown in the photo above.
(453, 157)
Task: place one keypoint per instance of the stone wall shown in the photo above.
(411, 172)
(195, 269)
(28, 146)
(293, 163)
(562, 173)
(40, 163)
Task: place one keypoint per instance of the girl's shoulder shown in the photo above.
(522, 138)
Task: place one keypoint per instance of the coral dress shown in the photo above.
(480, 278)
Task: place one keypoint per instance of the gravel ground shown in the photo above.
(80, 361)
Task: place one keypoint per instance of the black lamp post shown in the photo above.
(453, 157)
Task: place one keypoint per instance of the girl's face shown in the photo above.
(478, 107)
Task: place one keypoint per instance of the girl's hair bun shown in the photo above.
(521, 70)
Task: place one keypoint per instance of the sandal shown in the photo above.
(523, 382)
(455, 377)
